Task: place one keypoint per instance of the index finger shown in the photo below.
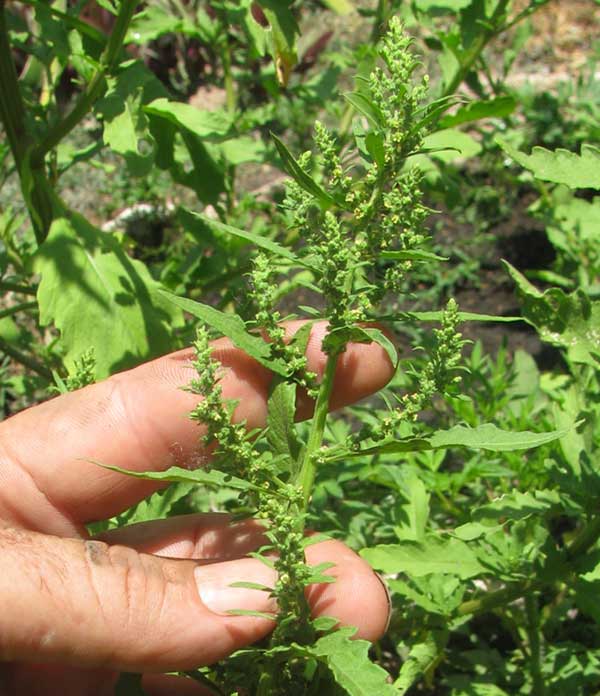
(138, 420)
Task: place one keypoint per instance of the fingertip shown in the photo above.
(359, 597)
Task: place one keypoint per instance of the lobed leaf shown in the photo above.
(560, 166)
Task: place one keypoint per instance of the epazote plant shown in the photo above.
(359, 214)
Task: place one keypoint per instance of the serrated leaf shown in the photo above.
(292, 167)
(348, 661)
(243, 585)
(560, 166)
(571, 321)
(500, 107)
(232, 326)
(202, 123)
(434, 555)
(96, 295)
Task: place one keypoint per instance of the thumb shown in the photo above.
(89, 604)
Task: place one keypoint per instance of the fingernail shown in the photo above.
(215, 581)
(389, 599)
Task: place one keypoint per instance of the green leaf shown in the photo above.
(437, 315)
(517, 506)
(500, 107)
(571, 321)
(97, 296)
(450, 144)
(560, 166)
(365, 106)
(125, 123)
(348, 661)
(256, 239)
(212, 478)
(421, 659)
(284, 30)
(281, 433)
(129, 684)
(415, 255)
(340, 6)
(486, 437)
(232, 326)
(202, 123)
(292, 167)
(434, 555)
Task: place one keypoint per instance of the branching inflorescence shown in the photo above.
(363, 228)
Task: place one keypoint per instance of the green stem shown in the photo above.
(22, 307)
(306, 477)
(95, 87)
(12, 109)
(476, 48)
(535, 651)
(25, 360)
(6, 286)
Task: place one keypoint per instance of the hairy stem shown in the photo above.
(6, 286)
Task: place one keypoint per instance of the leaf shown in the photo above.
(422, 657)
(365, 106)
(560, 166)
(281, 434)
(129, 684)
(125, 123)
(340, 6)
(292, 167)
(212, 478)
(434, 555)
(437, 315)
(500, 107)
(413, 255)
(348, 661)
(256, 239)
(485, 437)
(202, 123)
(517, 506)
(450, 144)
(489, 437)
(97, 296)
(284, 30)
(232, 326)
(571, 321)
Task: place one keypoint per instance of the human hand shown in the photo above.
(151, 597)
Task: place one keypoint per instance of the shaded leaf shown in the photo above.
(500, 107)
(96, 295)
(202, 123)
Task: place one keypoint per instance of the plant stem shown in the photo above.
(12, 110)
(95, 87)
(306, 476)
(533, 631)
(22, 307)
(25, 360)
(476, 48)
(6, 286)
